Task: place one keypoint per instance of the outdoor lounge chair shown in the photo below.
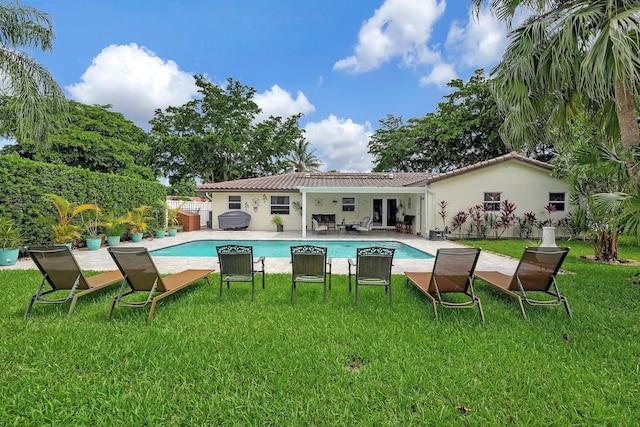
(317, 227)
(365, 225)
(372, 268)
(452, 273)
(237, 265)
(141, 275)
(536, 272)
(309, 264)
(61, 271)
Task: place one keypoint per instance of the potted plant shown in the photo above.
(158, 223)
(138, 222)
(65, 231)
(10, 241)
(277, 221)
(92, 225)
(172, 218)
(114, 228)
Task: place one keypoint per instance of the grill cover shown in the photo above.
(233, 219)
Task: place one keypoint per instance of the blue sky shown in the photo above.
(343, 64)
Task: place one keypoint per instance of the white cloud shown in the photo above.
(341, 144)
(279, 102)
(440, 75)
(398, 28)
(135, 81)
(480, 43)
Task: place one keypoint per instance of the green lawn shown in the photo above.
(205, 361)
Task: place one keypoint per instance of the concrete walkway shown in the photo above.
(100, 260)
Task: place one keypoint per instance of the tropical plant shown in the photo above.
(459, 219)
(476, 213)
(137, 219)
(276, 220)
(114, 225)
(92, 224)
(570, 57)
(507, 217)
(526, 224)
(172, 213)
(10, 234)
(66, 230)
(589, 170)
(443, 212)
(302, 159)
(32, 91)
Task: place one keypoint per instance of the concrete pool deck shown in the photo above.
(100, 260)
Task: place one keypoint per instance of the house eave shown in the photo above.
(362, 190)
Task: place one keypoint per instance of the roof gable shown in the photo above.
(512, 156)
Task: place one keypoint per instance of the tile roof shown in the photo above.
(293, 181)
(510, 156)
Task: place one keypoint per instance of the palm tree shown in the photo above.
(571, 56)
(303, 160)
(27, 86)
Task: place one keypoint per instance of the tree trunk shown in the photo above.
(605, 246)
(627, 122)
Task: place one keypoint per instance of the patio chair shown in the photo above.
(237, 265)
(365, 225)
(141, 275)
(372, 268)
(317, 227)
(309, 264)
(536, 272)
(61, 271)
(452, 273)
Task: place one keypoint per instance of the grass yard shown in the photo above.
(205, 361)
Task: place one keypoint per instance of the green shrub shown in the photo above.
(25, 184)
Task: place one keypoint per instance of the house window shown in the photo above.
(235, 202)
(557, 201)
(491, 202)
(348, 204)
(280, 205)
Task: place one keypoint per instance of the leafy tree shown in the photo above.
(94, 138)
(33, 93)
(186, 187)
(570, 57)
(462, 131)
(391, 147)
(214, 138)
(302, 159)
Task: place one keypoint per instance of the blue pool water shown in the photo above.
(281, 248)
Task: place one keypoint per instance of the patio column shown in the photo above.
(304, 214)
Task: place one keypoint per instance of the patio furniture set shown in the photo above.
(453, 272)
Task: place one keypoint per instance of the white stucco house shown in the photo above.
(389, 197)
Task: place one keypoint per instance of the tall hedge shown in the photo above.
(24, 183)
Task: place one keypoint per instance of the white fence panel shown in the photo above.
(201, 208)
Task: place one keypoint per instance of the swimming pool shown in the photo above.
(281, 248)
